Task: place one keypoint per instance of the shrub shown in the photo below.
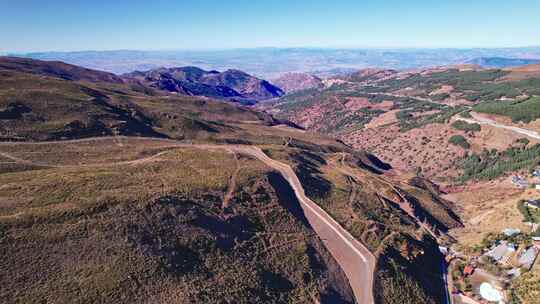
(524, 141)
(465, 126)
(459, 140)
(466, 114)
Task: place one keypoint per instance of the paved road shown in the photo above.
(357, 262)
(486, 121)
(354, 258)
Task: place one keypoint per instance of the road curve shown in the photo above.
(354, 258)
(356, 261)
(486, 121)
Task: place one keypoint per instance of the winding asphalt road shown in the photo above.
(356, 261)
(486, 121)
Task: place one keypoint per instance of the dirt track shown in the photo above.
(357, 262)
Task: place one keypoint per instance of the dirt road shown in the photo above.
(356, 261)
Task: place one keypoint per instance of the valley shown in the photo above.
(349, 189)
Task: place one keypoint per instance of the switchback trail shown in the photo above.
(356, 261)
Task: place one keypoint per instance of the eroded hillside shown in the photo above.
(410, 119)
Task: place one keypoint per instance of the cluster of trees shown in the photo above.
(525, 111)
(465, 126)
(491, 164)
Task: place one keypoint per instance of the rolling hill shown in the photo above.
(112, 192)
(56, 69)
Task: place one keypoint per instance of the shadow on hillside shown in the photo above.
(337, 291)
(286, 197)
(310, 175)
(371, 163)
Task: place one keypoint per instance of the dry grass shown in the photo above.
(488, 208)
(527, 287)
(185, 170)
(154, 232)
(106, 151)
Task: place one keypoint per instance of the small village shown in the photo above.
(486, 276)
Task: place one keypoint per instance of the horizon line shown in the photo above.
(274, 47)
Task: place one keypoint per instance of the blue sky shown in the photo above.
(62, 25)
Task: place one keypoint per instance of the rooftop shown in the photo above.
(501, 251)
(528, 257)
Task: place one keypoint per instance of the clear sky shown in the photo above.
(66, 25)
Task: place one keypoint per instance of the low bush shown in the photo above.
(465, 126)
(459, 140)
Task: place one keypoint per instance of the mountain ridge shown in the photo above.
(231, 84)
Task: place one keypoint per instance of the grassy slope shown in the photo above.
(95, 234)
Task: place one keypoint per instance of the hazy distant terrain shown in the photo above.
(271, 62)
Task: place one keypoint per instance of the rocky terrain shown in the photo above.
(474, 131)
(231, 85)
(292, 82)
(118, 192)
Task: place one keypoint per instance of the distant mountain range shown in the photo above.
(270, 63)
(233, 85)
(501, 62)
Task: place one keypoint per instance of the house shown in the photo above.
(468, 270)
(511, 231)
(502, 252)
(526, 260)
(533, 204)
